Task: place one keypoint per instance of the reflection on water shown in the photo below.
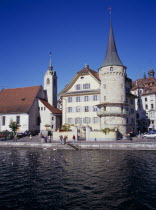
(47, 179)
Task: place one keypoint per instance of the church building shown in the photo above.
(101, 99)
(33, 108)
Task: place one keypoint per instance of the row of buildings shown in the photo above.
(101, 99)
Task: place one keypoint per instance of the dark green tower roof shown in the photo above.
(111, 58)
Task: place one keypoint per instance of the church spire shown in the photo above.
(50, 65)
(111, 57)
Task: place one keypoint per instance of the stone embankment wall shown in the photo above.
(90, 135)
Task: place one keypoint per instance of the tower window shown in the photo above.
(48, 81)
(111, 68)
(104, 98)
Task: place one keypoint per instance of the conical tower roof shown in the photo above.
(111, 58)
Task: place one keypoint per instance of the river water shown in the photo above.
(86, 179)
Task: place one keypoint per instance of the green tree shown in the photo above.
(14, 126)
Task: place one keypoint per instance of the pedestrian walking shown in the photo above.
(74, 138)
(64, 139)
(61, 138)
(15, 137)
(46, 137)
(30, 136)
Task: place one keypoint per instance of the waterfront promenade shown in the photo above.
(136, 144)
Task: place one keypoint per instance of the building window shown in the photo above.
(121, 86)
(137, 116)
(145, 99)
(104, 108)
(78, 87)
(104, 98)
(104, 86)
(111, 68)
(41, 108)
(3, 120)
(95, 97)
(152, 122)
(78, 99)
(69, 99)
(48, 81)
(146, 106)
(78, 109)
(44, 108)
(86, 108)
(69, 109)
(86, 86)
(86, 120)
(86, 98)
(52, 118)
(18, 120)
(69, 120)
(78, 120)
(95, 119)
(95, 108)
(152, 106)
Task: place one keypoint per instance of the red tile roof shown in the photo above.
(18, 100)
(86, 69)
(51, 108)
(144, 83)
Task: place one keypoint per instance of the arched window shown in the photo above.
(48, 81)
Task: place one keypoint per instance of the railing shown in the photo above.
(112, 113)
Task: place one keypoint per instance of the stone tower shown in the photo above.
(112, 73)
(50, 85)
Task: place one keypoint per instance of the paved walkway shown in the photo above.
(37, 139)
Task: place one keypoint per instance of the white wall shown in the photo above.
(24, 119)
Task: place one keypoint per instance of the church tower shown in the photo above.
(50, 85)
(112, 74)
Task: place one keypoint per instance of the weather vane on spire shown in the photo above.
(110, 10)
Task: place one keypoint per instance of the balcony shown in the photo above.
(103, 113)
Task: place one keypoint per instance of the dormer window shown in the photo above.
(48, 81)
(111, 68)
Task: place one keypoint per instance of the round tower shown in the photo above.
(112, 74)
(50, 85)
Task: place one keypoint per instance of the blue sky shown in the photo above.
(76, 32)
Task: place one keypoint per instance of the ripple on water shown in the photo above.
(46, 179)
